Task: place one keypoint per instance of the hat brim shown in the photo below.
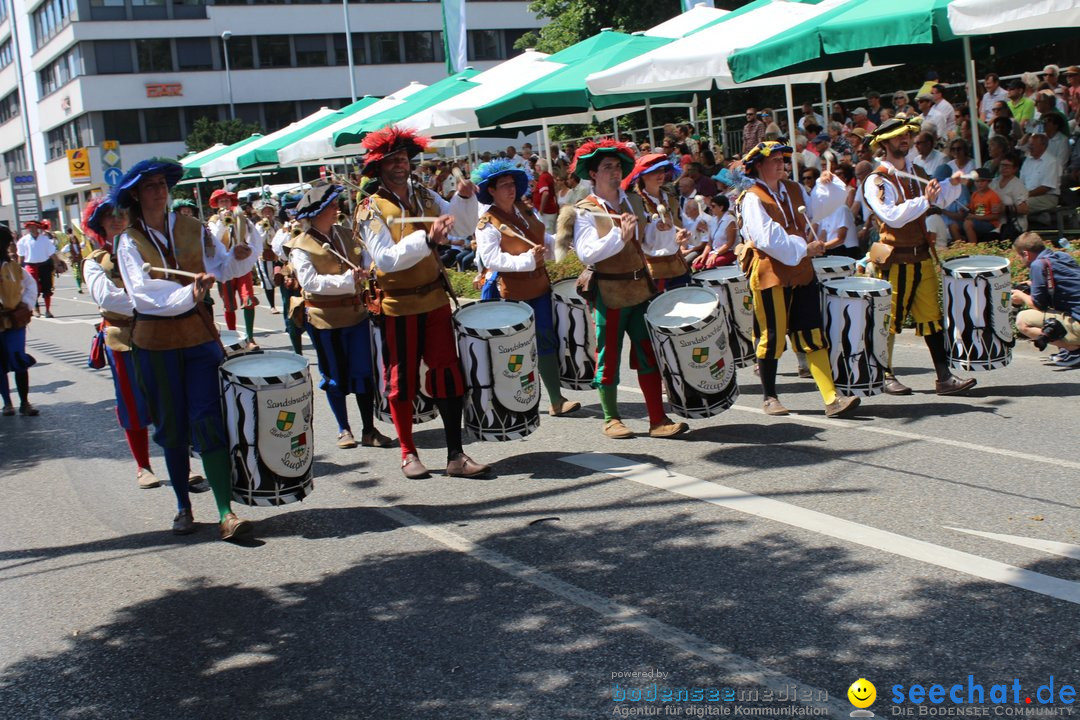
(521, 185)
(141, 171)
(303, 213)
(581, 169)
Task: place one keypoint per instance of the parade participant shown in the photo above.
(904, 253)
(36, 249)
(785, 291)
(514, 243)
(75, 252)
(608, 237)
(176, 346)
(664, 235)
(183, 206)
(416, 323)
(266, 207)
(336, 316)
(230, 227)
(103, 223)
(284, 277)
(18, 291)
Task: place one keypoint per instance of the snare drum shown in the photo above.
(232, 341)
(576, 330)
(976, 295)
(833, 267)
(497, 345)
(733, 289)
(692, 341)
(857, 329)
(423, 405)
(267, 399)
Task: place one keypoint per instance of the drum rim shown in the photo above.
(737, 275)
(884, 287)
(998, 269)
(244, 379)
(488, 333)
(714, 314)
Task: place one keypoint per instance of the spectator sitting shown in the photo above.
(961, 157)
(860, 119)
(1072, 77)
(925, 102)
(839, 114)
(925, 156)
(838, 232)
(808, 178)
(887, 114)
(836, 138)
(546, 201)
(722, 234)
(807, 157)
(985, 210)
(873, 102)
(1057, 141)
(997, 146)
(685, 185)
(902, 104)
(1011, 190)
(1011, 129)
(772, 131)
(1022, 107)
(754, 130)
(1054, 295)
(953, 214)
(942, 113)
(1050, 75)
(994, 93)
(1041, 176)
(809, 116)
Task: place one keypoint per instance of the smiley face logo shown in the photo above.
(862, 693)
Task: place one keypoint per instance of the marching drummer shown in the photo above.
(404, 223)
(514, 243)
(664, 236)
(900, 198)
(329, 267)
(284, 277)
(230, 226)
(266, 207)
(608, 238)
(775, 216)
(176, 346)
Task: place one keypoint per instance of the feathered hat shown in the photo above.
(589, 155)
(894, 127)
(266, 200)
(763, 150)
(183, 202)
(485, 175)
(317, 199)
(172, 170)
(217, 195)
(391, 139)
(647, 164)
(93, 218)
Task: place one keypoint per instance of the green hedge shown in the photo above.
(568, 267)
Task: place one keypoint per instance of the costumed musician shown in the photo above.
(37, 253)
(230, 226)
(292, 303)
(266, 208)
(18, 291)
(664, 237)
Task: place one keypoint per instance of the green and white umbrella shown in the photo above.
(193, 164)
(268, 154)
(227, 164)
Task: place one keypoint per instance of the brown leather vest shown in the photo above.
(620, 293)
(326, 312)
(11, 275)
(117, 327)
(519, 285)
(417, 289)
(767, 272)
(912, 234)
(661, 267)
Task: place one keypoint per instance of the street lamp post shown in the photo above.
(348, 50)
(225, 35)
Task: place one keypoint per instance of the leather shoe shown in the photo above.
(841, 405)
(565, 407)
(954, 385)
(668, 428)
(895, 387)
(772, 406)
(375, 439)
(147, 479)
(28, 410)
(345, 439)
(412, 468)
(465, 466)
(233, 528)
(615, 429)
(183, 523)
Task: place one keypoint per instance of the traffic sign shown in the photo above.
(110, 161)
(27, 203)
(113, 175)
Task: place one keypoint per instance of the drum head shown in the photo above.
(565, 289)
(858, 286)
(493, 315)
(721, 274)
(681, 307)
(267, 364)
(230, 338)
(975, 265)
(833, 264)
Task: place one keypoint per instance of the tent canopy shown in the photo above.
(269, 153)
(226, 163)
(193, 164)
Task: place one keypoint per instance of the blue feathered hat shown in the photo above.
(484, 175)
(317, 199)
(725, 177)
(141, 170)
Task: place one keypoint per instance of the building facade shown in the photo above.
(142, 72)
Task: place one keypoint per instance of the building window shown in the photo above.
(188, 9)
(15, 160)
(59, 72)
(49, 19)
(194, 112)
(107, 10)
(9, 107)
(3, 12)
(274, 51)
(385, 48)
(241, 53)
(249, 112)
(113, 57)
(279, 114)
(154, 55)
(341, 50)
(122, 126)
(194, 54)
(6, 58)
(310, 50)
(510, 37)
(148, 9)
(423, 47)
(162, 124)
(69, 136)
(484, 45)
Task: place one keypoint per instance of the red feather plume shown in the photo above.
(86, 213)
(390, 140)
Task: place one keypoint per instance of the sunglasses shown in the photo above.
(807, 177)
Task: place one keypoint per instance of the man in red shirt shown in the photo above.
(544, 198)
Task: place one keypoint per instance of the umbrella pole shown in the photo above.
(791, 130)
(615, 127)
(468, 141)
(648, 121)
(825, 114)
(709, 121)
(973, 103)
(300, 175)
(547, 145)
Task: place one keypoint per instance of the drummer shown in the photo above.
(513, 242)
(230, 226)
(608, 238)
(786, 294)
(416, 323)
(176, 346)
(266, 207)
(336, 316)
(905, 253)
(284, 277)
(664, 236)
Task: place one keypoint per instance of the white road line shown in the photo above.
(94, 320)
(1048, 546)
(829, 525)
(735, 668)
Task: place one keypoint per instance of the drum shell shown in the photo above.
(502, 380)
(576, 331)
(269, 422)
(832, 267)
(975, 307)
(733, 290)
(233, 342)
(857, 330)
(695, 359)
(424, 408)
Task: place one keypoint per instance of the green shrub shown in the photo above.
(568, 267)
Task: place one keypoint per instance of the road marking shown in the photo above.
(96, 319)
(1048, 546)
(829, 525)
(736, 668)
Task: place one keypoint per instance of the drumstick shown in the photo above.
(802, 211)
(662, 210)
(407, 220)
(168, 271)
(512, 231)
(330, 248)
(458, 175)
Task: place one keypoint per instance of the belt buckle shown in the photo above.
(636, 275)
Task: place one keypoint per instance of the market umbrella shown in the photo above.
(193, 164)
(226, 163)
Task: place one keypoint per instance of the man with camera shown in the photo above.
(1053, 314)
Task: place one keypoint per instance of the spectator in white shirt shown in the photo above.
(512, 156)
(925, 156)
(1011, 190)
(941, 112)
(1041, 175)
(809, 116)
(961, 158)
(994, 93)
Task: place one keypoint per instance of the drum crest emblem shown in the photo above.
(299, 445)
(285, 420)
(716, 368)
(1004, 299)
(515, 362)
(747, 303)
(700, 355)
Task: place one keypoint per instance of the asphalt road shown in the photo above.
(921, 542)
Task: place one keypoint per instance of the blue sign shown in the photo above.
(113, 175)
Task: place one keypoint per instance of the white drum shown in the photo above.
(576, 331)
(857, 329)
(733, 289)
(232, 341)
(267, 398)
(976, 295)
(691, 337)
(833, 267)
(497, 344)
(423, 406)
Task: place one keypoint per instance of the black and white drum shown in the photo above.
(423, 405)
(833, 267)
(576, 331)
(267, 398)
(691, 337)
(232, 341)
(733, 289)
(976, 294)
(857, 329)
(497, 344)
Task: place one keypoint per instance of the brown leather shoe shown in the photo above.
(376, 439)
(954, 385)
(184, 523)
(772, 406)
(895, 387)
(615, 429)
(565, 407)
(346, 440)
(667, 429)
(841, 405)
(465, 466)
(233, 528)
(412, 468)
(147, 479)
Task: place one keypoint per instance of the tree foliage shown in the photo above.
(574, 20)
(206, 132)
